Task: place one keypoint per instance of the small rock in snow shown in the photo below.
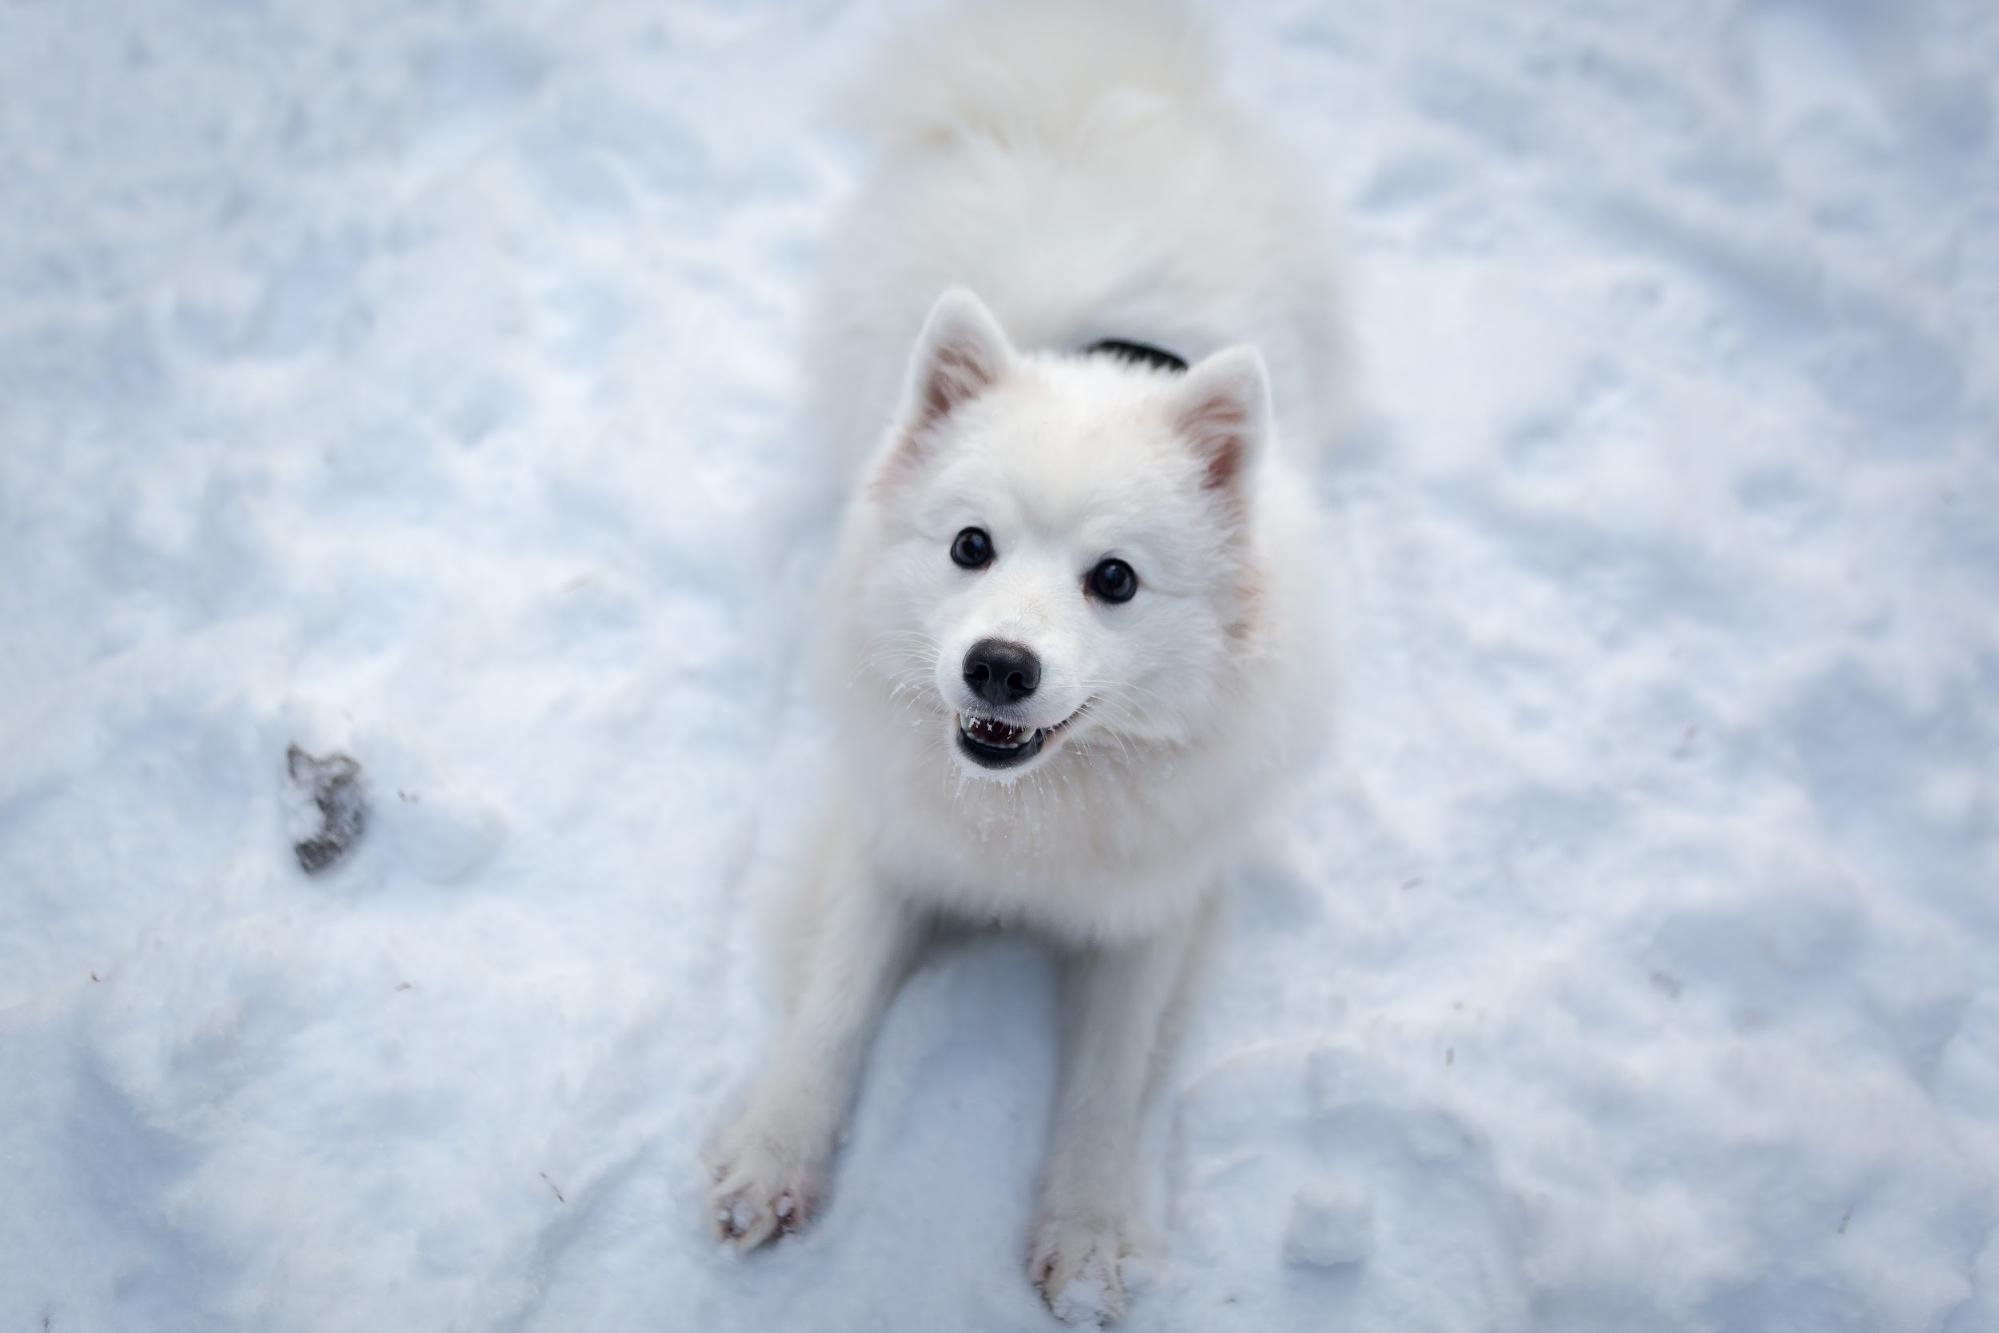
(1330, 1225)
(329, 807)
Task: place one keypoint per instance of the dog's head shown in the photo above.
(1062, 553)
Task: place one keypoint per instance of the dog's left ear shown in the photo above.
(1224, 413)
(961, 353)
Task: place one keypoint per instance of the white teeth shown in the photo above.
(980, 729)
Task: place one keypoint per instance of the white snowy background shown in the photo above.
(419, 380)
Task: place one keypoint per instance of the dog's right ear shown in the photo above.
(961, 353)
(1225, 415)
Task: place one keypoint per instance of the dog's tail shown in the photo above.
(1031, 69)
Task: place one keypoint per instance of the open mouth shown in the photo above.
(991, 743)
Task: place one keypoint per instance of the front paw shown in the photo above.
(764, 1188)
(1075, 1264)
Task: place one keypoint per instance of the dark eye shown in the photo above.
(972, 549)
(1113, 580)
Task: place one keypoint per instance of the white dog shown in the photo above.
(1076, 598)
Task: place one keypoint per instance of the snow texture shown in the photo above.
(1331, 1224)
(418, 382)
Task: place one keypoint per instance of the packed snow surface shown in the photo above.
(417, 382)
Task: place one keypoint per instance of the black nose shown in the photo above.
(1000, 672)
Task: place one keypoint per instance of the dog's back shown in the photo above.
(1078, 166)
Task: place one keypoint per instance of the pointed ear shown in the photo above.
(961, 353)
(1224, 413)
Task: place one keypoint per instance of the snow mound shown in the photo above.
(1330, 1225)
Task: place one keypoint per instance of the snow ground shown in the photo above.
(417, 380)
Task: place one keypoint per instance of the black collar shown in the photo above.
(1156, 357)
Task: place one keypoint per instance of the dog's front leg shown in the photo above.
(853, 939)
(1115, 1007)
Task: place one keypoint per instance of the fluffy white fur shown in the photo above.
(1075, 167)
